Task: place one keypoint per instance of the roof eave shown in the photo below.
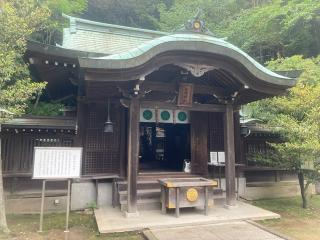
(56, 51)
(144, 53)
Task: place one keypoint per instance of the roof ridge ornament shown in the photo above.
(196, 24)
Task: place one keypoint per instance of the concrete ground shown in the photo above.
(113, 220)
(238, 230)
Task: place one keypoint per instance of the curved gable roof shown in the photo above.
(186, 43)
(109, 52)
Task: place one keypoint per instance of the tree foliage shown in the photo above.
(279, 28)
(52, 32)
(265, 29)
(45, 109)
(214, 12)
(134, 13)
(19, 19)
(296, 117)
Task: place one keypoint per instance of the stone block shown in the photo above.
(82, 195)
(104, 194)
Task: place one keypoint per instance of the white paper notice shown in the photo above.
(214, 157)
(221, 157)
(57, 162)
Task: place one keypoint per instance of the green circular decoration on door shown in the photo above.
(182, 116)
(165, 115)
(147, 114)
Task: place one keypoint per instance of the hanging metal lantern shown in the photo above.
(108, 125)
(244, 131)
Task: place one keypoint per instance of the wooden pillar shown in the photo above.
(199, 143)
(123, 142)
(237, 137)
(230, 156)
(133, 154)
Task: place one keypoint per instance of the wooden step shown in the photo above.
(141, 194)
(151, 184)
(159, 175)
(149, 192)
(143, 204)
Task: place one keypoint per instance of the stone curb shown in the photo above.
(149, 235)
(276, 233)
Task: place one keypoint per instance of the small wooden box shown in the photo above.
(186, 192)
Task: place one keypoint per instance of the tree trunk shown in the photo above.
(303, 189)
(3, 220)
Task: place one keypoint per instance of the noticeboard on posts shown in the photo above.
(57, 162)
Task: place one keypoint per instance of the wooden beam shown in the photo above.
(133, 154)
(195, 107)
(172, 87)
(230, 155)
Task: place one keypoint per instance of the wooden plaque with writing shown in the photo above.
(185, 97)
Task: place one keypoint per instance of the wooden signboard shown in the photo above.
(185, 97)
(57, 162)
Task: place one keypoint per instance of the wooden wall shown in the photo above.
(216, 139)
(105, 153)
(207, 135)
(17, 149)
(257, 144)
(199, 143)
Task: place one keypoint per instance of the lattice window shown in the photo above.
(102, 150)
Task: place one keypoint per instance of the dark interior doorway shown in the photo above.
(164, 147)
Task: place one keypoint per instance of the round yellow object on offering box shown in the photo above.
(192, 194)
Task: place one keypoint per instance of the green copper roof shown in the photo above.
(96, 37)
(184, 42)
(120, 48)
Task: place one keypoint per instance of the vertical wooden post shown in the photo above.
(68, 206)
(3, 218)
(230, 156)
(206, 201)
(237, 137)
(42, 205)
(177, 202)
(123, 143)
(163, 200)
(133, 155)
(80, 138)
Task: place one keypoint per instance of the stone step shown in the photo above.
(271, 184)
(155, 203)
